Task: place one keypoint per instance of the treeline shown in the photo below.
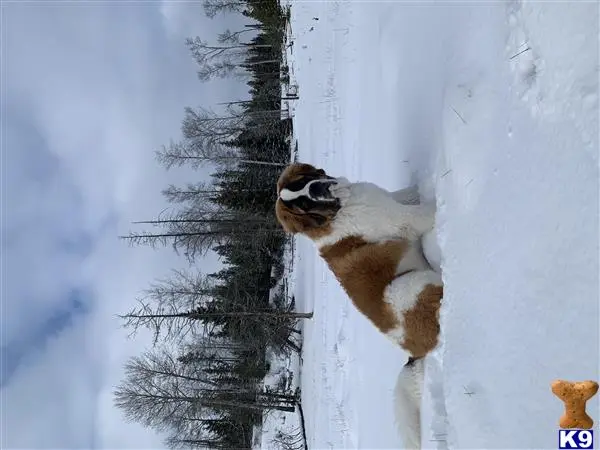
(202, 383)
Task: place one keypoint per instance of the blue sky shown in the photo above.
(89, 91)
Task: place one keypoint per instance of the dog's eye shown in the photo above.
(297, 185)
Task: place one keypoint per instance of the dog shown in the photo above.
(372, 244)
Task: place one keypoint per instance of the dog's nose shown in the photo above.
(320, 190)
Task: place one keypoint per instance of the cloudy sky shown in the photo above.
(89, 92)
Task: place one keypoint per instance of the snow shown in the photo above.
(265, 435)
(493, 110)
(284, 285)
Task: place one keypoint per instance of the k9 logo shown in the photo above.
(568, 439)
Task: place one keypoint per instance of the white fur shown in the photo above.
(430, 246)
(287, 195)
(407, 403)
(432, 251)
(373, 213)
(407, 196)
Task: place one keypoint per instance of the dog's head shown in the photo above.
(304, 201)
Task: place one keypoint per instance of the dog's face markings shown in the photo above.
(297, 172)
(304, 200)
(304, 180)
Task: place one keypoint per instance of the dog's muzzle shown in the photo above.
(315, 190)
(319, 190)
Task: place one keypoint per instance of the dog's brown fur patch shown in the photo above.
(364, 270)
(317, 233)
(421, 323)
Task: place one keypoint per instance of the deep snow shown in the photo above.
(493, 110)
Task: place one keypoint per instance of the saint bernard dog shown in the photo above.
(371, 241)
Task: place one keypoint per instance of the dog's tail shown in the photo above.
(407, 402)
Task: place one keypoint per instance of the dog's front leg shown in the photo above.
(422, 217)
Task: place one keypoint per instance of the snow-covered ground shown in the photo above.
(283, 376)
(274, 422)
(493, 109)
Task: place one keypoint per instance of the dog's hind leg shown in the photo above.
(416, 298)
(420, 217)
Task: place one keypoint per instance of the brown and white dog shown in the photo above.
(372, 244)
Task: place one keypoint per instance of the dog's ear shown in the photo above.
(304, 222)
(309, 169)
(314, 220)
(285, 217)
(306, 169)
(295, 220)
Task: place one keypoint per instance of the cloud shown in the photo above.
(28, 342)
(55, 395)
(89, 93)
(180, 20)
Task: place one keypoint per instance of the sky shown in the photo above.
(89, 92)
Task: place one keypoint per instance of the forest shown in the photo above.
(215, 334)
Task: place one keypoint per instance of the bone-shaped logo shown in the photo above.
(575, 395)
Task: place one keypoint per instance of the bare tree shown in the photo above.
(233, 37)
(230, 59)
(230, 47)
(290, 440)
(184, 289)
(195, 242)
(162, 366)
(193, 231)
(191, 243)
(194, 193)
(176, 307)
(198, 194)
(176, 442)
(198, 153)
(170, 326)
(206, 135)
(154, 400)
(167, 308)
(143, 317)
(214, 7)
